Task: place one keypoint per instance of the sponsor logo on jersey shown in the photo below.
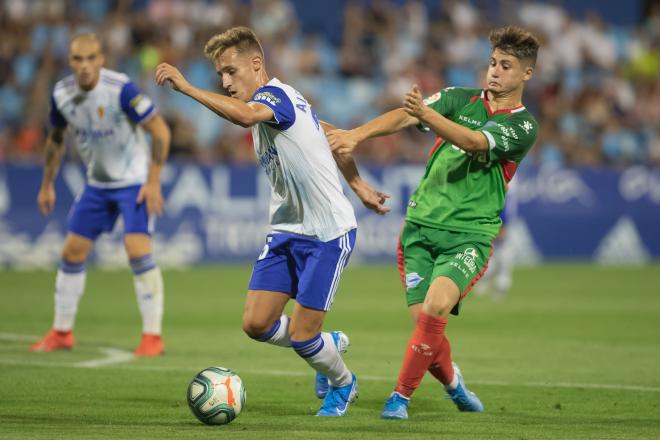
(100, 111)
(92, 135)
(269, 159)
(412, 204)
(412, 280)
(466, 260)
(268, 97)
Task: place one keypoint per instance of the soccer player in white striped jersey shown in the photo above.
(313, 224)
(107, 115)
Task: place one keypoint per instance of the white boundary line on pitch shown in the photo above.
(112, 355)
(115, 357)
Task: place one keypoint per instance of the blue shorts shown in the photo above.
(96, 210)
(305, 268)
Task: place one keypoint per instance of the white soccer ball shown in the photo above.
(216, 395)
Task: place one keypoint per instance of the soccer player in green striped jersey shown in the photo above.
(453, 216)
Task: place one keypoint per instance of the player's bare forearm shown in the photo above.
(53, 154)
(464, 138)
(385, 124)
(344, 161)
(348, 168)
(160, 146)
(231, 109)
(344, 142)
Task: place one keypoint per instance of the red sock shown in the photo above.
(423, 347)
(441, 367)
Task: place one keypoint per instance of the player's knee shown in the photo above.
(255, 328)
(437, 305)
(74, 254)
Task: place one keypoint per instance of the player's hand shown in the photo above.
(168, 73)
(46, 199)
(151, 194)
(413, 104)
(371, 198)
(342, 141)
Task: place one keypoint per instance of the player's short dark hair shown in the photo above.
(242, 38)
(516, 41)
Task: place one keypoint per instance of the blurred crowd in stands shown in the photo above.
(595, 92)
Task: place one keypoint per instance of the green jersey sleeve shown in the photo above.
(448, 101)
(510, 139)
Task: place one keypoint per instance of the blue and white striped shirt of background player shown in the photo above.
(105, 122)
(308, 207)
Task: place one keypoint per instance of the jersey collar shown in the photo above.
(507, 111)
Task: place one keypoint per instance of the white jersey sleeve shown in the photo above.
(105, 123)
(307, 197)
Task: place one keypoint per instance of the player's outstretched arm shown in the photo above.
(160, 147)
(462, 137)
(370, 197)
(345, 141)
(231, 109)
(53, 154)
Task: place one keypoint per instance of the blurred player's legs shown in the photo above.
(69, 288)
(497, 280)
(148, 282)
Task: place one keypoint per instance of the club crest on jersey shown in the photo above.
(412, 280)
(100, 111)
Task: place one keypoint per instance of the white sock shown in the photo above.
(453, 384)
(503, 276)
(278, 334)
(69, 288)
(150, 297)
(322, 355)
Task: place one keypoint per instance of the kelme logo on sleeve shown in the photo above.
(527, 126)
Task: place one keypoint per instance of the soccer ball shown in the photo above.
(216, 395)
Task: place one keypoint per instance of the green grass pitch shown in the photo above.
(572, 353)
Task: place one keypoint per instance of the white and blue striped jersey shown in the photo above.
(105, 123)
(307, 197)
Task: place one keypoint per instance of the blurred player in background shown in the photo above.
(313, 224)
(107, 116)
(454, 214)
(498, 278)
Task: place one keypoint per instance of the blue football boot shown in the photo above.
(464, 399)
(338, 399)
(396, 407)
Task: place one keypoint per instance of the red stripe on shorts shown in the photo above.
(479, 275)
